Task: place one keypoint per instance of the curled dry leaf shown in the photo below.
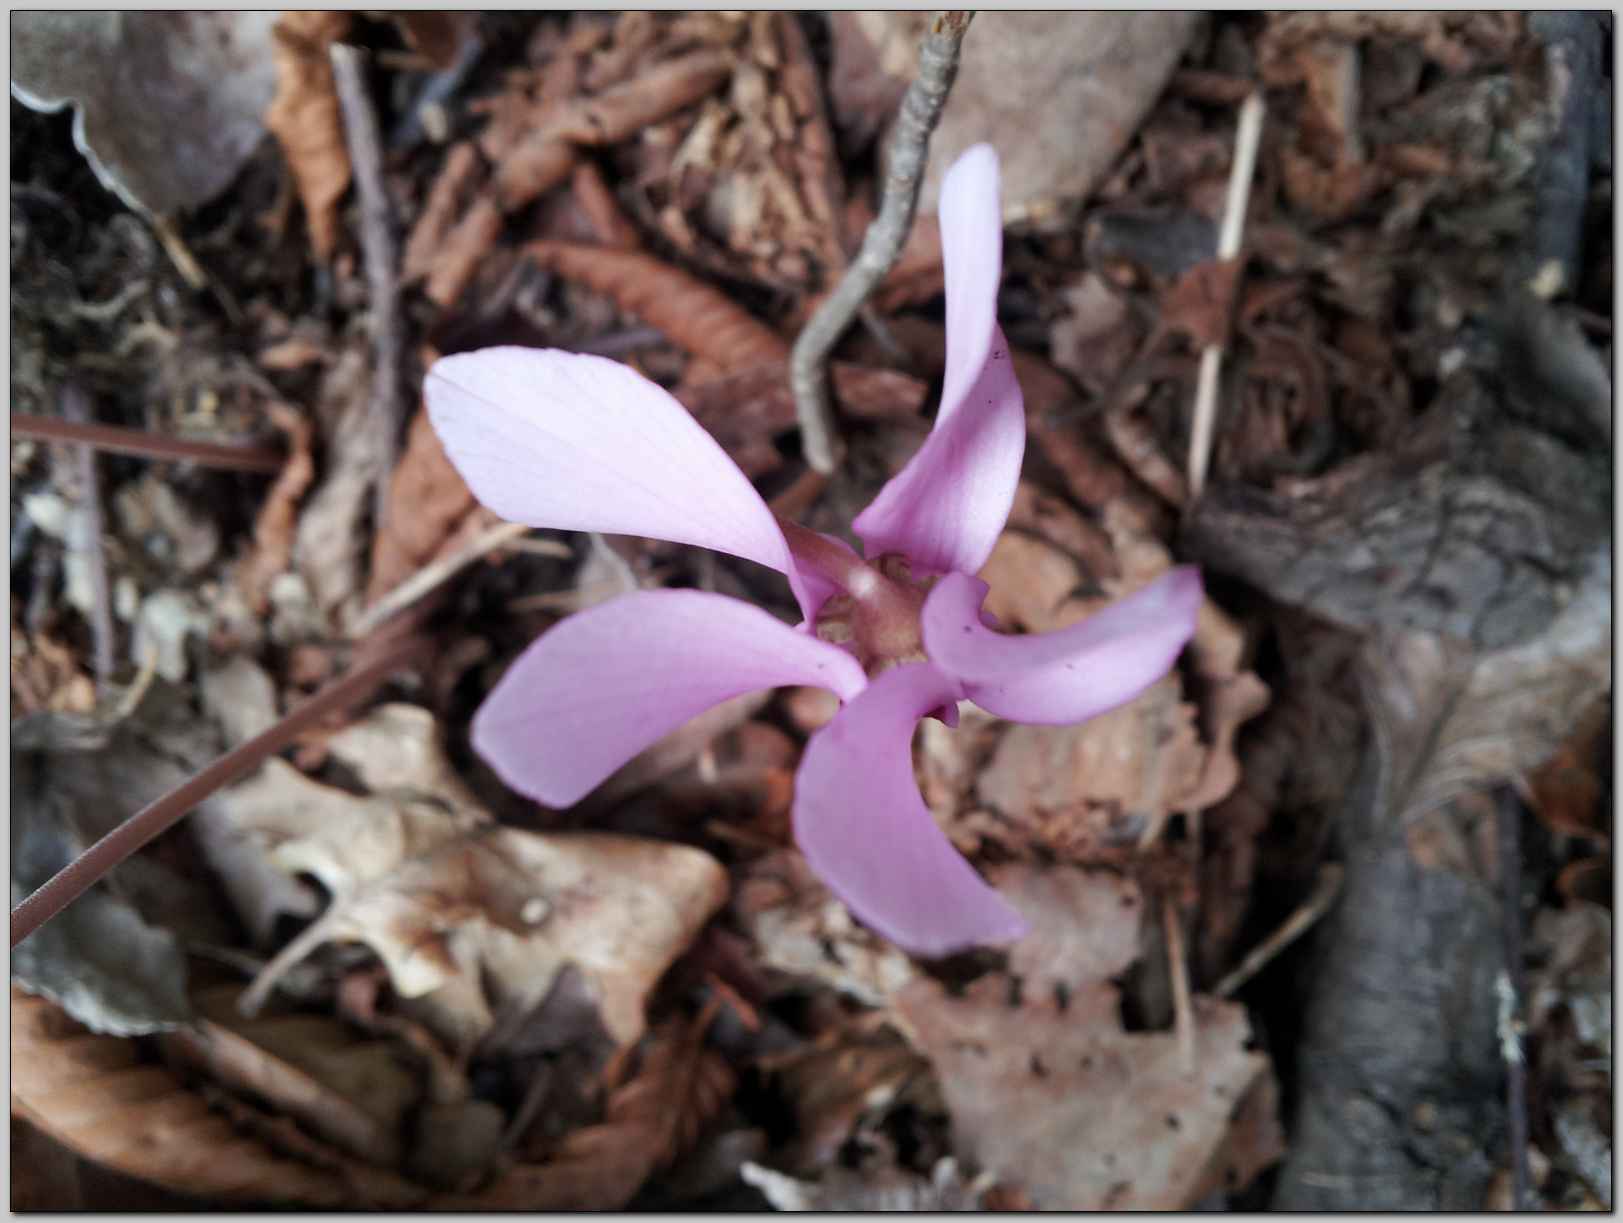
(97, 1097)
(329, 542)
(699, 318)
(168, 104)
(306, 119)
(659, 1114)
(350, 1092)
(428, 512)
(482, 925)
(1054, 1095)
(803, 929)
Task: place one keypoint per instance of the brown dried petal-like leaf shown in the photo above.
(94, 1095)
(1081, 1114)
(306, 120)
(428, 511)
(701, 319)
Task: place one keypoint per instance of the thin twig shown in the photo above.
(1183, 1006)
(432, 575)
(1325, 890)
(378, 251)
(158, 816)
(118, 440)
(1510, 994)
(1246, 142)
(76, 407)
(904, 172)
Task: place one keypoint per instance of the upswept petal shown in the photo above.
(607, 682)
(864, 829)
(971, 214)
(946, 508)
(579, 442)
(1066, 676)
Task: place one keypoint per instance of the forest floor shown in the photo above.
(1320, 921)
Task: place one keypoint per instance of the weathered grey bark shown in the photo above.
(1478, 525)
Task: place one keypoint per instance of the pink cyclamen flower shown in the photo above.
(575, 442)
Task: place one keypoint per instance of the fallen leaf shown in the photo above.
(306, 119)
(802, 928)
(481, 925)
(1081, 1114)
(72, 781)
(98, 1097)
(680, 1087)
(440, 37)
(168, 104)
(1059, 94)
(329, 542)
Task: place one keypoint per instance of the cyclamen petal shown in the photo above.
(608, 682)
(971, 215)
(865, 830)
(583, 443)
(945, 509)
(1066, 676)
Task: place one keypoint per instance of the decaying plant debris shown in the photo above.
(1320, 921)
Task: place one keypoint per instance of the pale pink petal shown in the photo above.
(864, 829)
(946, 508)
(1066, 676)
(583, 443)
(971, 213)
(602, 685)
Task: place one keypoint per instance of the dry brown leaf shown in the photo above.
(97, 1097)
(461, 172)
(659, 1114)
(352, 1093)
(329, 543)
(305, 118)
(699, 318)
(803, 929)
(1567, 789)
(272, 550)
(1082, 1114)
(482, 925)
(429, 511)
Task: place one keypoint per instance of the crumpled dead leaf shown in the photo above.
(472, 922)
(276, 524)
(306, 119)
(96, 1096)
(168, 104)
(659, 1113)
(1058, 94)
(104, 959)
(803, 929)
(1054, 1095)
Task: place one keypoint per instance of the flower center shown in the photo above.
(877, 615)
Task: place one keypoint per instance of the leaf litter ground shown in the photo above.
(466, 1000)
